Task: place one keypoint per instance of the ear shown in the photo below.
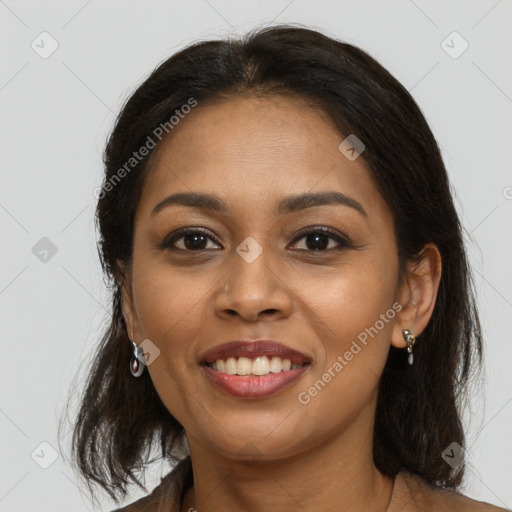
(124, 280)
(417, 294)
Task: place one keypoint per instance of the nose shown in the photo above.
(253, 291)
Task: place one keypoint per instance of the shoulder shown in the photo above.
(167, 495)
(410, 489)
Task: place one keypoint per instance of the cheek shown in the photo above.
(349, 298)
(352, 315)
(346, 378)
(168, 300)
(171, 309)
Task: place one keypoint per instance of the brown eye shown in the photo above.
(320, 239)
(188, 240)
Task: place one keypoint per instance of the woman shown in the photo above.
(293, 313)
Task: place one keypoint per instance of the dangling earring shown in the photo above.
(410, 340)
(136, 366)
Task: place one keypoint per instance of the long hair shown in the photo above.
(418, 412)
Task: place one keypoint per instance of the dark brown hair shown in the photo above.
(418, 412)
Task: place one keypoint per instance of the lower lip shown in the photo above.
(254, 386)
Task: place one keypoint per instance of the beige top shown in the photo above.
(411, 493)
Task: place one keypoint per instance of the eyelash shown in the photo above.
(343, 241)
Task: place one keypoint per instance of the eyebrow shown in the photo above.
(286, 205)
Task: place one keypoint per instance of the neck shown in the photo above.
(337, 475)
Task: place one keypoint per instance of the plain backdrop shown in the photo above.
(56, 111)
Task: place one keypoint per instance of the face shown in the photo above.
(318, 275)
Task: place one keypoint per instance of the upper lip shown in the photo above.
(253, 349)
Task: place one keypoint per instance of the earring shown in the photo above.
(410, 340)
(136, 366)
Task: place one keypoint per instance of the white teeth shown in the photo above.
(260, 366)
(230, 366)
(257, 366)
(276, 365)
(244, 366)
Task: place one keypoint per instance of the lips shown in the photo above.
(252, 387)
(254, 349)
(286, 368)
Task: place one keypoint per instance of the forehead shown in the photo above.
(256, 149)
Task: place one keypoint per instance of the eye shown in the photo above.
(320, 240)
(190, 239)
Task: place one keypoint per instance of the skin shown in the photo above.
(251, 152)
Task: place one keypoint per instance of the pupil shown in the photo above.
(319, 245)
(195, 240)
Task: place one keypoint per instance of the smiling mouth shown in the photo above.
(254, 367)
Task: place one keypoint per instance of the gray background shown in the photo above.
(57, 111)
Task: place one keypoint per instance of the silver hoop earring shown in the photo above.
(410, 340)
(136, 366)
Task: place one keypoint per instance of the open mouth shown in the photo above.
(256, 366)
